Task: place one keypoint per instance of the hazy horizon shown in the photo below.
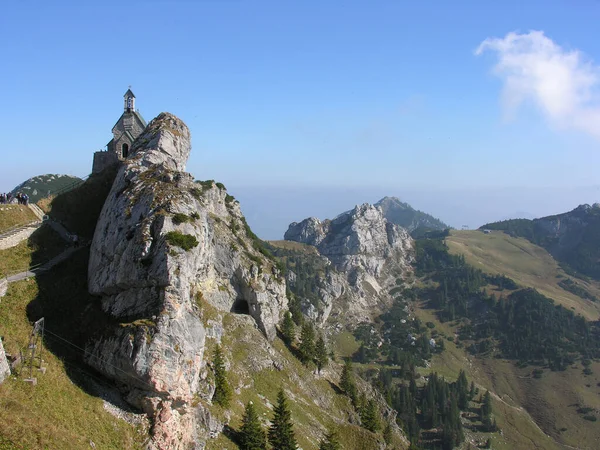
(270, 210)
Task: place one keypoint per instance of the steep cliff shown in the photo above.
(163, 245)
(367, 252)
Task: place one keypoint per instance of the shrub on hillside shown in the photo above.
(184, 241)
(180, 218)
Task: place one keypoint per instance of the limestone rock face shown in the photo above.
(362, 245)
(163, 247)
(361, 238)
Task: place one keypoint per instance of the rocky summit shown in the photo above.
(370, 251)
(163, 245)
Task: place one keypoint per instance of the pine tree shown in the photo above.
(347, 381)
(288, 329)
(388, 434)
(321, 357)
(281, 433)
(453, 433)
(330, 441)
(369, 416)
(222, 393)
(252, 435)
(307, 343)
(485, 413)
(295, 310)
(413, 386)
(462, 390)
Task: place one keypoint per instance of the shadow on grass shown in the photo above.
(293, 349)
(232, 435)
(336, 388)
(71, 317)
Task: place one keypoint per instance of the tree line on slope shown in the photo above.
(525, 325)
(430, 415)
(580, 256)
(251, 435)
(280, 434)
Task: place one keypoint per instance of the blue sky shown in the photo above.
(327, 96)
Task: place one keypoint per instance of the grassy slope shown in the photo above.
(295, 246)
(551, 401)
(519, 431)
(12, 216)
(524, 262)
(314, 401)
(55, 413)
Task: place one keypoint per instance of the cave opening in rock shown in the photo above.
(240, 306)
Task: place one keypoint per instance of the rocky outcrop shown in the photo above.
(163, 247)
(359, 239)
(3, 286)
(565, 226)
(362, 245)
(4, 366)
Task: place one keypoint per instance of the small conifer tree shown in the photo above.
(307, 343)
(321, 356)
(330, 441)
(222, 394)
(388, 434)
(281, 433)
(288, 329)
(369, 416)
(252, 435)
(485, 413)
(347, 381)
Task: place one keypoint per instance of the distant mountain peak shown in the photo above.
(401, 213)
(41, 186)
(393, 201)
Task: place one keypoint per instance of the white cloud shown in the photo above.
(563, 84)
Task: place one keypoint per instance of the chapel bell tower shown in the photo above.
(129, 126)
(129, 101)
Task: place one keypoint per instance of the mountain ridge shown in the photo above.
(573, 237)
(406, 216)
(42, 186)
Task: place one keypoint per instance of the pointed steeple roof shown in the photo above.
(128, 93)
